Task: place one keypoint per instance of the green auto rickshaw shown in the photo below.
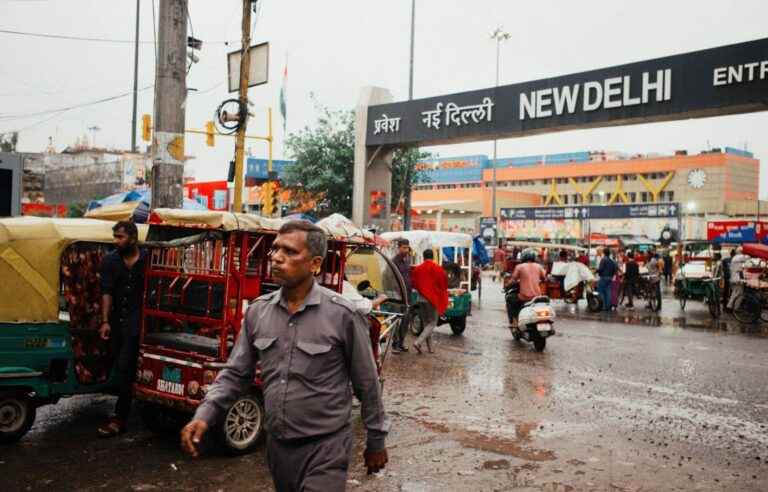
(50, 303)
(453, 251)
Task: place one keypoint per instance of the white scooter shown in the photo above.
(536, 322)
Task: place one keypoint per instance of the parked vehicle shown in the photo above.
(454, 252)
(752, 305)
(50, 302)
(203, 269)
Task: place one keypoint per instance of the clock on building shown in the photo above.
(697, 178)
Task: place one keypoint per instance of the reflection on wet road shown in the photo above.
(630, 402)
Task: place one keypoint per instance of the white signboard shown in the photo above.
(259, 69)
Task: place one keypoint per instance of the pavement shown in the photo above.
(629, 401)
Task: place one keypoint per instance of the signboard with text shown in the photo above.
(639, 211)
(725, 80)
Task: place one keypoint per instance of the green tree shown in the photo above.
(325, 157)
(406, 174)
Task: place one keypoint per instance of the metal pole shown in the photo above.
(407, 185)
(135, 76)
(413, 33)
(245, 64)
(170, 95)
(495, 142)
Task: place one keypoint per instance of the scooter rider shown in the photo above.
(528, 275)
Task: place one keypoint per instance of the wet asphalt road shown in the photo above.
(626, 402)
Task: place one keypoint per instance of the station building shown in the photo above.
(713, 185)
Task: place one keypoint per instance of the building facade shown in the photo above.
(715, 184)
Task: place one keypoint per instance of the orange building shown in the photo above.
(708, 186)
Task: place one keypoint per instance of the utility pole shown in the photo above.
(170, 95)
(408, 177)
(499, 35)
(134, 122)
(245, 66)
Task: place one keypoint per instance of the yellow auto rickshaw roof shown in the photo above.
(30, 254)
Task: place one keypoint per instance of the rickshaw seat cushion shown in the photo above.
(186, 342)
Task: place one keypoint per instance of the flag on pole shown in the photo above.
(283, 95)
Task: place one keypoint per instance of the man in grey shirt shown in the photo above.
(311, 344)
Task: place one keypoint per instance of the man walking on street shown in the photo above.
(311, 347)
(606, 271)
(122, 287)
(431, 281)
(631, 276)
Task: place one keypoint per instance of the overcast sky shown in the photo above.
(335, 47)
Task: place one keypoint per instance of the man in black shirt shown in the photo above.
(631, 275)
(122, 288)
(605, 272)
(402, 261)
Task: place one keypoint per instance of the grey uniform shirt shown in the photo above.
(308, 360)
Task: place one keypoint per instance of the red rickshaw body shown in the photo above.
(203, 269)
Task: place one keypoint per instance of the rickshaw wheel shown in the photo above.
(594, 303)
(243, 425)
(458, 325)
(417, 323)
(17, 414)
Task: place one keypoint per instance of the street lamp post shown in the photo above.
(499, 35)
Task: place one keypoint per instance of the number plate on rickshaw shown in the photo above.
(170, 382)
(170, 387)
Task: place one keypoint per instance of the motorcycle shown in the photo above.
(536, 318)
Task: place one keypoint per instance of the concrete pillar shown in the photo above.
(373, 165)
(439, 220)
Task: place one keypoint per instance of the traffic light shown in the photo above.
(210, 131)
(276, 197)
(267, 202)
(146, 128)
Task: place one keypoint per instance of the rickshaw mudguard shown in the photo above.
(26, 352)
(458, 306)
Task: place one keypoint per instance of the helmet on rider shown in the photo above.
(528, 255)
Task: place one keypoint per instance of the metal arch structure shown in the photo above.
(720, 81)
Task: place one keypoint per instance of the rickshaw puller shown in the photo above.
(122, 286)
(311, 344)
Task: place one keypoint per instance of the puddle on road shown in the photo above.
(496, 444)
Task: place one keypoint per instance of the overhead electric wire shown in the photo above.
(18, 116)
(91, 39)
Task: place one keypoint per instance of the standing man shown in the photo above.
(402, 261)
(737, 277)
(122, 289)
(726, 271)
(312, 347)
(605, 272)
(667, 268)
(499, 260)
(631, 276)
(431, 281)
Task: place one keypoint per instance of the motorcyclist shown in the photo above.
(528, 276)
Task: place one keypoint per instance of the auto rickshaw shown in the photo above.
(50, 303)
(453, 251)
(203, 269)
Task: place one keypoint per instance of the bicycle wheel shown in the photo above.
(713, 303)
(749, 309)
(764, 307)
(653, 300)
